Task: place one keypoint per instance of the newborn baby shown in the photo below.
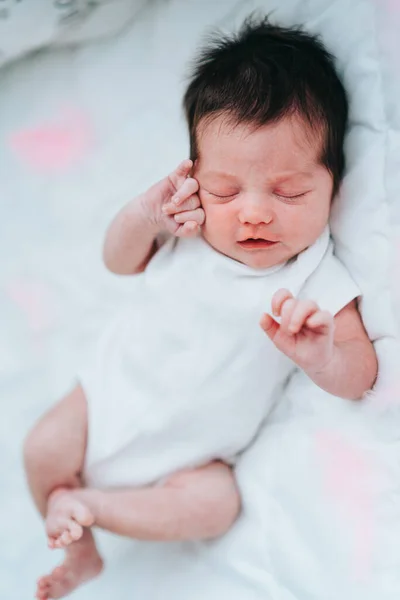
(238, 236)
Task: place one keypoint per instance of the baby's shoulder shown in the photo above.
(331, 284)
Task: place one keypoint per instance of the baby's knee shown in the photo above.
(213, 494)
(58, 440)
(221, 500)
(227, 500)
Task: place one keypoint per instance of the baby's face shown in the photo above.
(265, 196)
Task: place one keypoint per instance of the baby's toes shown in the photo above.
(51, 542)
(55, 526)
(72, 533)
(64, 540)
(75, 530)
(43, 594)
(42, 590)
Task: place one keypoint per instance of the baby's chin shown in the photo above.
(259, 260)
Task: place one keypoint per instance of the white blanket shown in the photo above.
(82, 131)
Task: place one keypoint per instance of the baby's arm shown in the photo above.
(353, 368)
(194, 504)
(131, 240)
(170, 206)
(335, 352)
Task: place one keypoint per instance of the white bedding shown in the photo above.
(83, 130)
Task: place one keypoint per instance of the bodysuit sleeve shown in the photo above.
(331, 284)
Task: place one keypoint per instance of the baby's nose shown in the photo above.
(255, 210)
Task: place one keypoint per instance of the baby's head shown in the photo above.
(267, 116)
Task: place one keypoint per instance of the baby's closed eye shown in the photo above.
(290, 196)
(223, 194)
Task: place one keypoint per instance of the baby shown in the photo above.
(180, 383)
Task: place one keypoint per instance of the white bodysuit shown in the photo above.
(187, 375)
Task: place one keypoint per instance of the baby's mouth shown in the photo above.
(256, 244)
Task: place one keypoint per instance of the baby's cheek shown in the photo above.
(291, 223)
(217, 228)
(306, 225)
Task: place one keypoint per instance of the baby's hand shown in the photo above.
(182, 212)
(174, 204)
(305, 333)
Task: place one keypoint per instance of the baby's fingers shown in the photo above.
(320, 320)
(197, 215)
(189, 187)
(182, 171)
(302, 311)
(269, 325)
(190, 203)
(188, 229)
(278, 300)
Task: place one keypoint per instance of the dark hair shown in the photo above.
(264, 73)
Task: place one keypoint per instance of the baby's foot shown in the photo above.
(82, 563)
(66, 518)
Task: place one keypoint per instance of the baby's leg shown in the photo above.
(54, 452)
(194, 504)
(54, 449)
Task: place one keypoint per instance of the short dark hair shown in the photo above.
(264, 73)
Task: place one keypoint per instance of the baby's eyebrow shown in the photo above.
(272, 179)
(281, 177)
(220, 174)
